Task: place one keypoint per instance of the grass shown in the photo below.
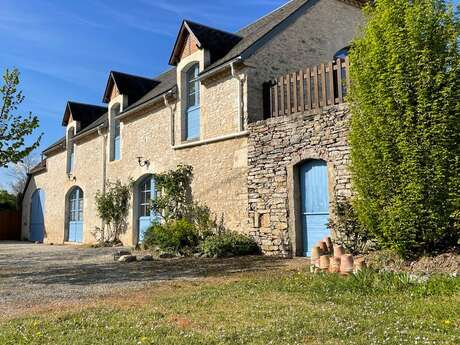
(261, 308)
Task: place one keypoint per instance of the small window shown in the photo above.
(70, 151)
(116, 133)
(192, 118)
(116, 142)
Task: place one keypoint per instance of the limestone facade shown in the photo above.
(243, 167)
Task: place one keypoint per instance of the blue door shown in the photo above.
(146, 193)
(315, 203)
(37, 219)
(76, 216)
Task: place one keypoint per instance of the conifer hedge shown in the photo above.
(405, 127)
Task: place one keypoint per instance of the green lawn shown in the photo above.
(260, 308)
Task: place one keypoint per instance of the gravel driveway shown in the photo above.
(32, 275)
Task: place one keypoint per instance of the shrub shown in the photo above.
(7, 201)
(113, 207)
(174, 236)
(348, 230)
(229, 244)
(405, 129)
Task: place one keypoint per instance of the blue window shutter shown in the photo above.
(193, 123)
(116, 147)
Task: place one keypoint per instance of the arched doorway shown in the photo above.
(75, 206)
(314, 203)
(146, 192)
(37, 216)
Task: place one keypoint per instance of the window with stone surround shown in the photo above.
(192, 99)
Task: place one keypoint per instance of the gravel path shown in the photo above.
(34, 275)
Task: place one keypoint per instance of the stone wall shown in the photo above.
(276, 147)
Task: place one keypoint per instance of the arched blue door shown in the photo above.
(315, 203)
(76, 216)
(146, 193)
(37, 218)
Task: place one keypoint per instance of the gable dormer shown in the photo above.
(194, 37)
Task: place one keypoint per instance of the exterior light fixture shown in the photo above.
(143, 162)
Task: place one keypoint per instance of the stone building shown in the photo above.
(207, 111)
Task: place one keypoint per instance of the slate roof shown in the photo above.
(165, 82)
(60, 142)
(84, 113)
(218, 42)
(132, 85)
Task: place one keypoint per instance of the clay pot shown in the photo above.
(334, 265)
(323, 247)
(338, 251)
(329, 244)
(324, 262)
(315, 254)
(346, 264)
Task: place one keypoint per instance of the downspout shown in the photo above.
(173, 111)
(241, 80)
(104, 163)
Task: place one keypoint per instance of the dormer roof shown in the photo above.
(127, 84)
(83, 113)
(218, 42)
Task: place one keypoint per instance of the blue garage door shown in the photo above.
(146, 193)
(37, 218)
(76, 216)
(315, 203)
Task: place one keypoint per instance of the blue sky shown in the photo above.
(65, 49)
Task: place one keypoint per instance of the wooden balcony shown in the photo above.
(315, 87)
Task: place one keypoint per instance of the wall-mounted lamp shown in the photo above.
(70, 177)
(143, 162)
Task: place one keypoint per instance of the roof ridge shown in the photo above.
(88, 104)
(131, 75)
(266, 15)
(212, 28)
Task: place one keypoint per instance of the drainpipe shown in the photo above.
(104, 164)
(172, 110)
(240, 95)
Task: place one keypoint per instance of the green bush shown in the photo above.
(229, 244)
(7, 201)
(348, 230)
(175, 236)
(405, 128)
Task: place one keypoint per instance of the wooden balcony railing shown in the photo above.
(313, 88)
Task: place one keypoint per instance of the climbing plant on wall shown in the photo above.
(405, 130)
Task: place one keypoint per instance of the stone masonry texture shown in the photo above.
(275, 148)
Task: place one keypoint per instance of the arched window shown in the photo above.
(342, 53)
(116, 139)
(75, 206)
(192, 112)
(70, 151)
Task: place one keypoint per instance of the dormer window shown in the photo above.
(115, 133)
(192, 111)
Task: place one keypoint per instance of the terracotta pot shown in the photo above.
(315, 254)
(346, 264)
(334, 265)
(323, 247)
(338, 251)
(324, 262)
(329, 244)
